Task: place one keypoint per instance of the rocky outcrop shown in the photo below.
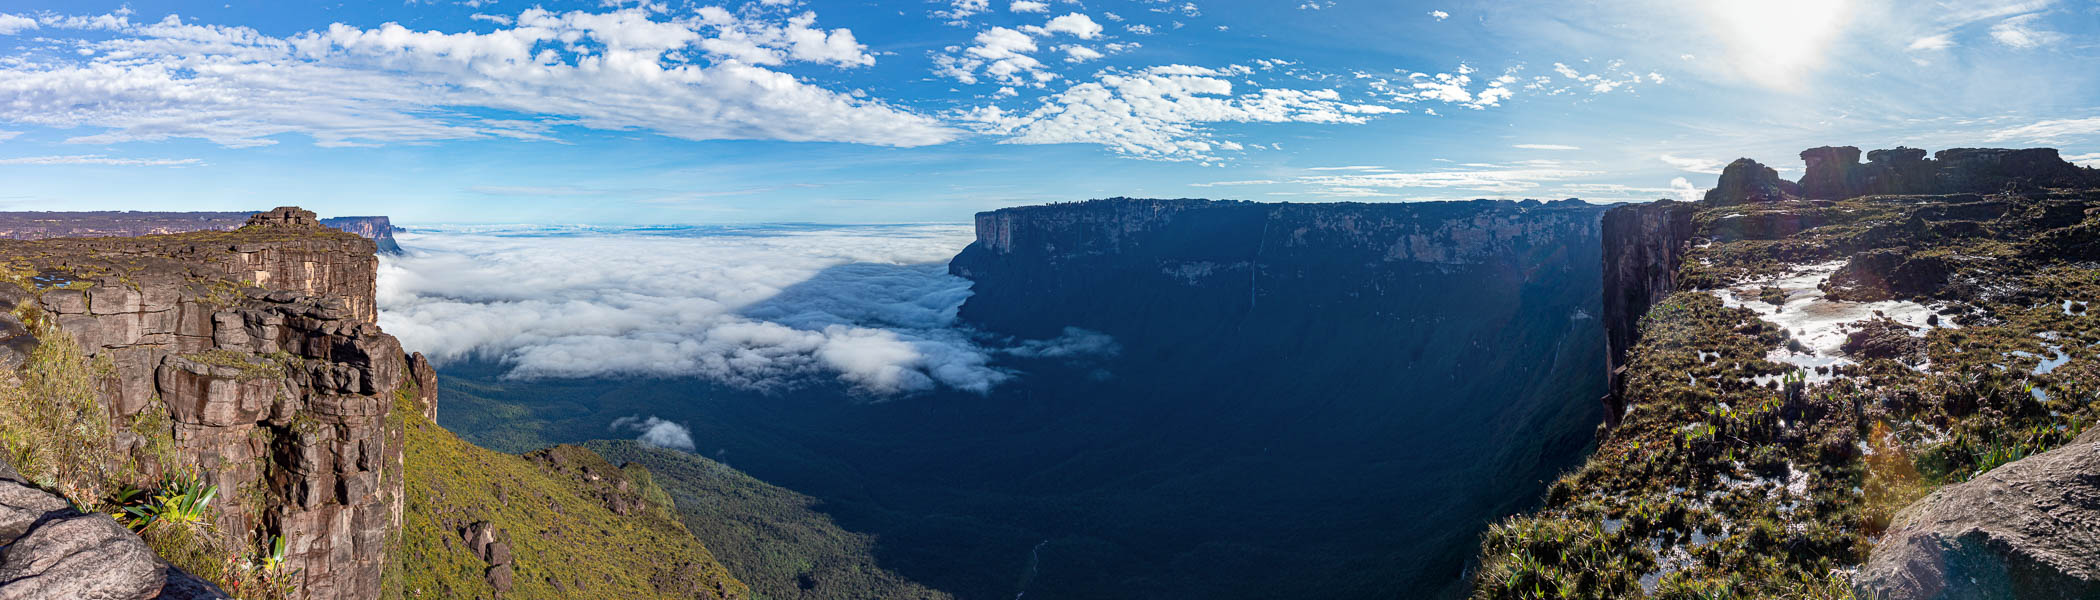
(378, 229)
(260, 347)
(2029, 529)
(1644, 244)
(1747, 180)
(492, 546)
(1835, 173)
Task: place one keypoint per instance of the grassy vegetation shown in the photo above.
(772, 538)
(1733, 477)
(566, 541)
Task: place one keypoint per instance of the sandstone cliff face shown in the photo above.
(1644, 244)
(261, 347)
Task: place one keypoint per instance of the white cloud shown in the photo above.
(1684, 189)
(872, 307)
(2022, 32)
(1546, 147)
(12, 24)
(1164, 112)
(95, 159)
(1139, 29)
(1001, 54)
(2091, 159)
(8, 135)
(1932, 42)
(1076, 24)
(1028, 6)
(700, 79)
(1694, 165)
(1439, 15)
(958, 10)
(656, 432)
(497, 19)
(1078, 53)
(2054, 131)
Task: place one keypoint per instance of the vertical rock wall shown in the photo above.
(261, 347)
(1643, 246)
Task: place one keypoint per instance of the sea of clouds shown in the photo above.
(754, 307)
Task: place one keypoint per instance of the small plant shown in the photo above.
(185, 501)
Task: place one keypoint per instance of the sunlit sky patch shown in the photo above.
(926, 111)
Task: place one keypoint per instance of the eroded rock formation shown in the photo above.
(259, 348)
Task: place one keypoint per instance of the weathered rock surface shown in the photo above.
(49, 550)
(260, 346)
(1643, 246)
(2029, 529)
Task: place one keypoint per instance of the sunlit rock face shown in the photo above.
(260, 348)
(1393, 375)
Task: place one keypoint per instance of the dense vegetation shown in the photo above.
(1735, 476)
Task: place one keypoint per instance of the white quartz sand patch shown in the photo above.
(1818, 322)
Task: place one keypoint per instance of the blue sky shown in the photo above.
(926, 111)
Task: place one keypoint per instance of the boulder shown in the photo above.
(2029, 529)
(51, 551)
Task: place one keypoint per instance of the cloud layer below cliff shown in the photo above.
(758, 308)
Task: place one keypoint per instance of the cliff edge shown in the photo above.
(1826, 389)
(230, 398)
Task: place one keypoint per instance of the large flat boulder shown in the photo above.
(2029, 529)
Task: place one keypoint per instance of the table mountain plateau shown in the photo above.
(1325, 400)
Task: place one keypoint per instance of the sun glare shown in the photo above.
(1777, 43)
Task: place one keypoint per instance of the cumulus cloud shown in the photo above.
(705, 77)
(1439, 15)
(1028, 6)
(1164, 112)
(1684, 189)
(872, 307)
(13, 24)
(656, 432)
